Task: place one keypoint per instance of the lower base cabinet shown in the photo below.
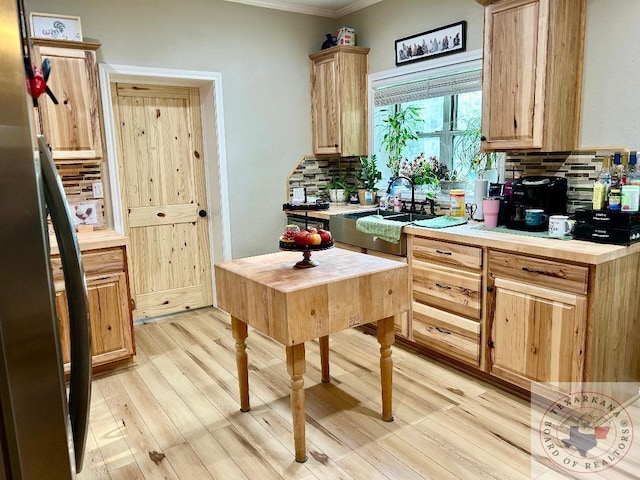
(110, 310)
(538, 334)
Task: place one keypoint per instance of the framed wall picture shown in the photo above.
(432, 43)
(55, 27)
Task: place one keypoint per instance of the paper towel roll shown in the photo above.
(480, 190)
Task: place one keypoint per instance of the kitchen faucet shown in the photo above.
(412, 208)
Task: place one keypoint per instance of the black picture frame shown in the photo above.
(432, 43)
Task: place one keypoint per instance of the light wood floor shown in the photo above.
(175, 414)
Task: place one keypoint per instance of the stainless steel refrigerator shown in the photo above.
(42, 428)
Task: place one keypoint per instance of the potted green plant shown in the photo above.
(336, 188)
(368, 176)
(399, 127)
(467, 148)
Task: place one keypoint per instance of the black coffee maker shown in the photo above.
(535, 192)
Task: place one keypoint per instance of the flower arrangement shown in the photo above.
(419, 170)
(441, 171)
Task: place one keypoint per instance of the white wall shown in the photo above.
(611, 82)
(263, 57)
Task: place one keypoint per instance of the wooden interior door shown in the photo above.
(538, 334)
(162, 176)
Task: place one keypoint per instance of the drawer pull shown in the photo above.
(442, 330)
(533, 270)
(443, 253)
(444, 287)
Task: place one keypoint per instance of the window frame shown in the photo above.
(442, 66)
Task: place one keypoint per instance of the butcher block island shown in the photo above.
(293, 306)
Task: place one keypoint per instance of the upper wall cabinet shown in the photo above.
(73, 127)
(532, 74)
(339, 101)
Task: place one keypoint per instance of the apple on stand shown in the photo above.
(325, 236)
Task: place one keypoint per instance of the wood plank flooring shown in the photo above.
(175, 414)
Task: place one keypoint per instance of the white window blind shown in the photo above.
(435, 86)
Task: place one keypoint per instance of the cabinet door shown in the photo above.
(110, 317)
(537, 334)
(72, 127)
(514, 70)
(325, 106)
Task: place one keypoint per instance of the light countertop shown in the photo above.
(96, 240)
(577, 251)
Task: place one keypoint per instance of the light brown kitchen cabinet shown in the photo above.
(532, 74)
(339, 101)
(537, 335)
(446, 292)
(73, 127)
(110, 310)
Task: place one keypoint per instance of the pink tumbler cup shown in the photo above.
(490, 210)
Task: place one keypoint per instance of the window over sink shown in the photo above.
(448, 96)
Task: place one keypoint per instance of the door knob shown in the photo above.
(202, 213)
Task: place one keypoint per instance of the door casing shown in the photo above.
(212, 114)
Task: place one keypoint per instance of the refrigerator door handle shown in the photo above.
(76, 288)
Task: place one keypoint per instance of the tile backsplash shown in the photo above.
(315, 173)
(580, 168)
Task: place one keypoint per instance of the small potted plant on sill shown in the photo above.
(368, 176)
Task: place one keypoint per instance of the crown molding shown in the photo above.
(306, 9)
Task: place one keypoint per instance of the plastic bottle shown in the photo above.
(614, 199)
(602, 184)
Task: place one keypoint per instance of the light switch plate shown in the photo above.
(97, 190)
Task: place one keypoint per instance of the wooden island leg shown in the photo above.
(386, 337)
(239, 330)
(324, 358)
(296, 368)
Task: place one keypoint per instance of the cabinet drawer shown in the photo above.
(447, 333)
(446, 253)
(447, 288)
(546, 273)
(94, 263)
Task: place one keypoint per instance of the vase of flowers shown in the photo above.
(420, 172)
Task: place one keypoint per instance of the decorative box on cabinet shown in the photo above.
(339, 101)
(446, 288)
(106, 274)
(532, 74)
(73, 127)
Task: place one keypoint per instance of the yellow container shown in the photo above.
(456, 199)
